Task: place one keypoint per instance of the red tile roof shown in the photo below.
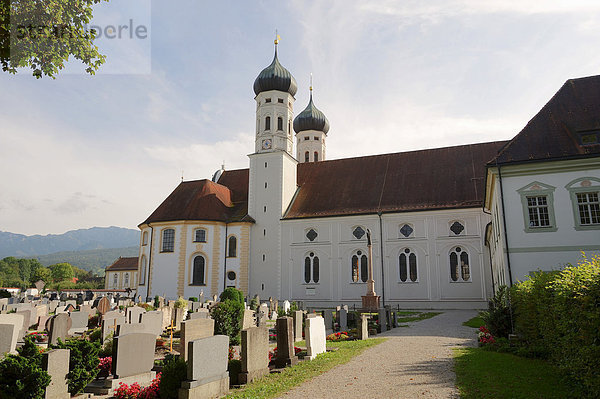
(441, 178)
(130, 263)
(553, 133)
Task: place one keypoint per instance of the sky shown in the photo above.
(80, 151)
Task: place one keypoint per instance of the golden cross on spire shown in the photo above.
(310, 82)
(277, 38)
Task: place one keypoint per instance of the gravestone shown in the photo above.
(274, 315)
(394, 320)
(298, 315)
(58, 327)
(328, 318)
(315, 337)
(200, 314)
(382, 320)
(285, 343)
(255, 354)
(195, 306)
(192, 330)
(363, 327)
(207, 375)
(133, 313)
(178, 317)
(79, 322)
(56, 363)
(248, 320)
(388, 318)
(42, 320)
(263, 314)
(30, 316)
(87, 309)
(40, 310)
(153, 321)
(342, 319)
(8, 338)
(71, 302)
(52, 305)
(167, 313)
(286, 306)
(103, 306)
(133, 354)
(108, 325)
(3, 304)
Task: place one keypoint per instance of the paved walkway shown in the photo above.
(415, 362)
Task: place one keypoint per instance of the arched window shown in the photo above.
(168, 240)
(143, 270)
(268, 123)
(232, 247)
(126, 280)
(459, 265)
(279, 123)
(311, 268)
(200, 235)
(408, 266)
(307, 156)
(145, 238)
(198, 267)
(290, 127)
(360, 269)
(115, 280)
(316, 157)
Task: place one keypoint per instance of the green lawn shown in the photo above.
(415, 316)
(486, 374)
(475, 322)
(277, 383)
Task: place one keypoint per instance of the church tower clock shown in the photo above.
(272, 180)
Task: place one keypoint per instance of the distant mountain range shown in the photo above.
(95, 260)
(20, 245)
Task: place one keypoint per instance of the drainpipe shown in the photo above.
(504, 223)
(225, 261)
(382, 268)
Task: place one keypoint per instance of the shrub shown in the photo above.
(174, 372)
(156, 302)
(193, 299)
(21, 377)
(253, 303)
(5, 294)
(83, 362)
(95, 335)
(147, 307)
(180, 303)
(498, 317)
(228, 317)
(104, 365)
(233, 294)
(93, 321)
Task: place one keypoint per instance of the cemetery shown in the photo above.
(110, 345)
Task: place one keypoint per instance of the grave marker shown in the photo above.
(207, 375)
(56, 363)
(285, 343)
(315, 337)
(255, 354)
(192, 330)
(58, 327)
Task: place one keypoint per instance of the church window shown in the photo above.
(265, 184)
(143, 270)
(408, 266)
(168, 240)
(267, 100)
(232, 247)
(316, 157)
(290, 128)
(198, 266)
(306, 138)
(358, 232)
(311, 268)
(200, 235)
(264, 232)
(585, 198)
(265, 165)
(280, 100)
(115, 279)
(268, 123)
(459, 265)
(265, 209)
(279, 123)
(457, 228)
(126, 280)
(311, 234)
(264, 257)
(145, 238)
(537, 207)
(406, 230)
(231, 275)
(360, 271)
(316, 138)
(307, 156)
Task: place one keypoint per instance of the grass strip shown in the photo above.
(484, 374)
(475, 322)
(277, 383)
(418, 317)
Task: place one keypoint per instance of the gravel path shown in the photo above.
(415, 362)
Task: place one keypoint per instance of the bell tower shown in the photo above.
(311, 127)
(272, 180)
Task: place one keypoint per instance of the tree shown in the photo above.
(62, 272)
(42, 273)
(43, 35)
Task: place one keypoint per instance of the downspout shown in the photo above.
(149, 263)
(510, 279)
(225, 261)
(486, 241)
(382, 271)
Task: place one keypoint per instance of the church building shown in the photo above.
(293, 224)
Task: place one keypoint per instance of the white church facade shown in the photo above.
(293, 225)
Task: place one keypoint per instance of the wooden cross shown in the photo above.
(114, 327)
(171, 334)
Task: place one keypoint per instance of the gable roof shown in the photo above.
(553, 133)
(129, 263)
(441, 178)
(226, 201)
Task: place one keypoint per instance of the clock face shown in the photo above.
(266, 144)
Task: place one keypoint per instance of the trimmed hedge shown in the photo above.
(557, 316)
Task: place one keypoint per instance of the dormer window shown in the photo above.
(589, 138)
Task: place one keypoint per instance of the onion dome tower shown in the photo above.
(311, 127)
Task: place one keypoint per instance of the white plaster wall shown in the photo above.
(205, 249)
(282, 139)
(165, 264)
(311, 145)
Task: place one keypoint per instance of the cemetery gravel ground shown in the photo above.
(414, 362)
